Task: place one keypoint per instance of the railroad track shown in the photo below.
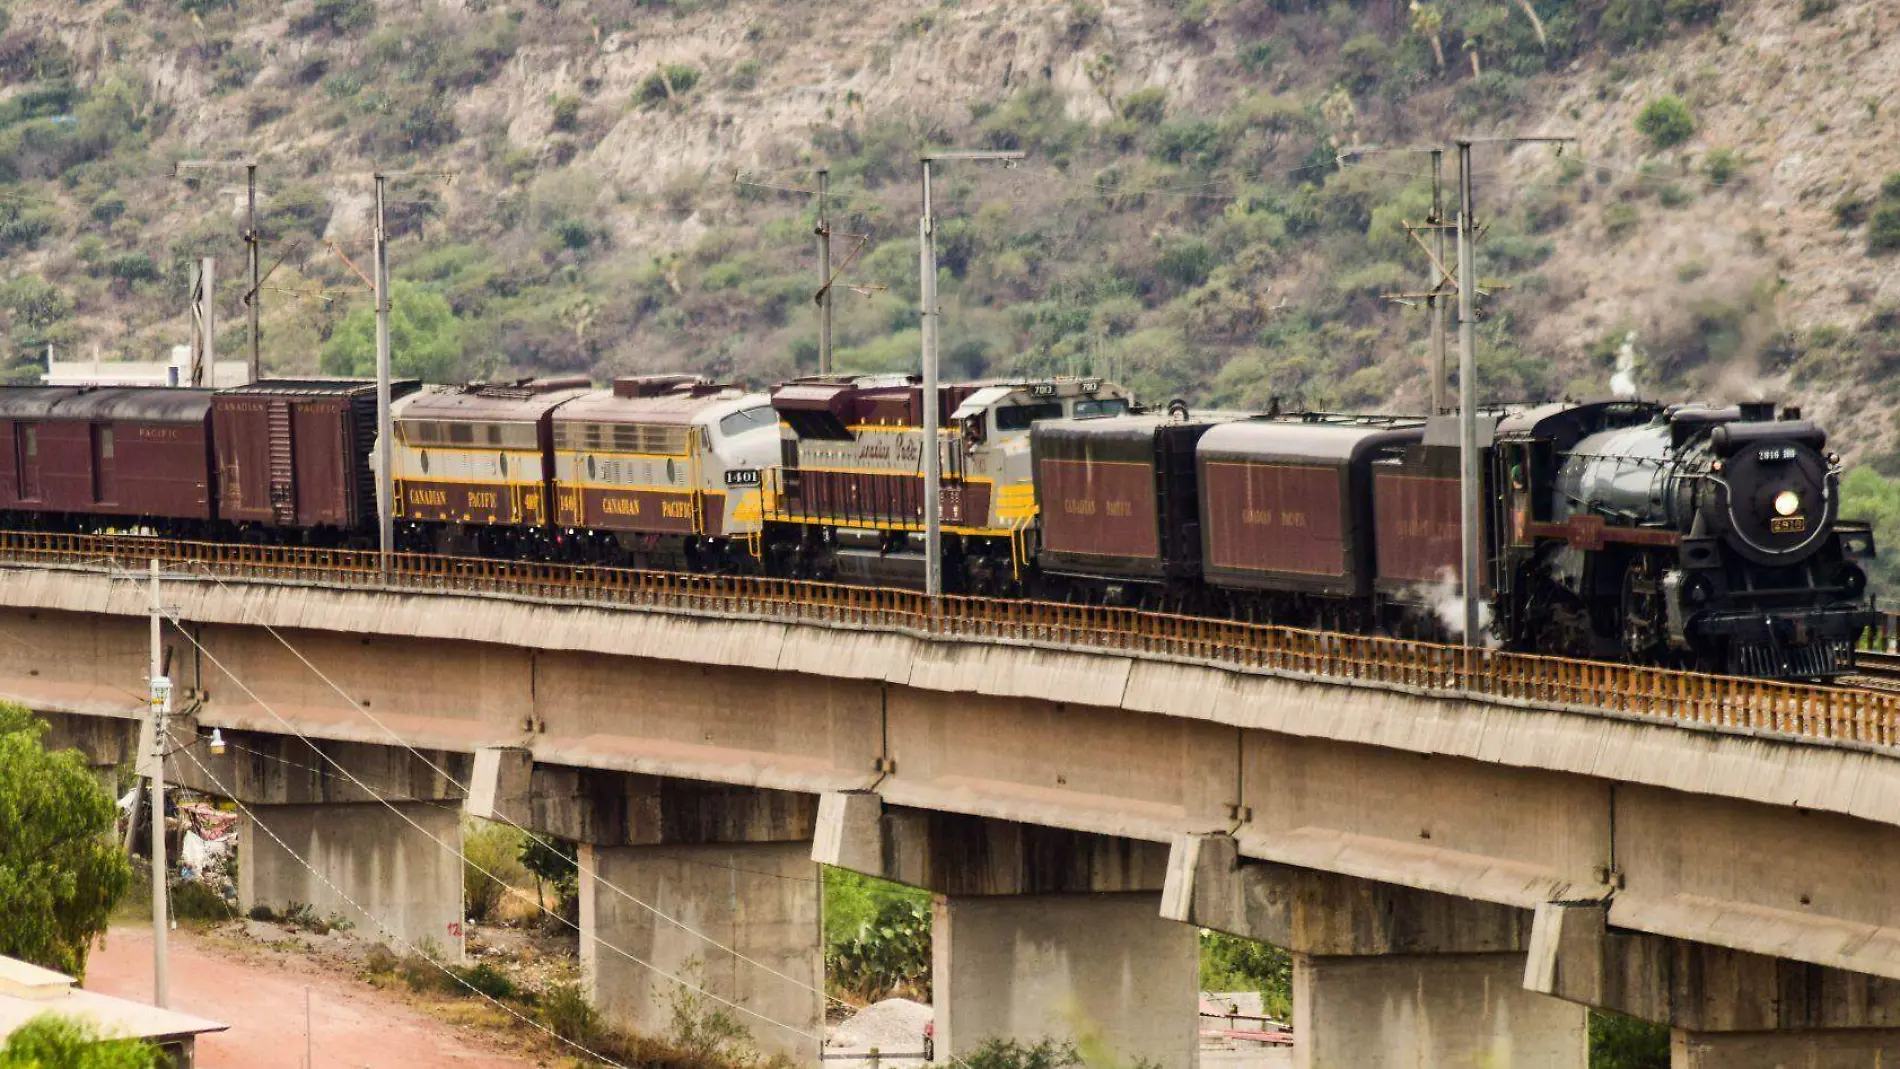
(1874, 670)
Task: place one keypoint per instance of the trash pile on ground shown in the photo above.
(895, 1027)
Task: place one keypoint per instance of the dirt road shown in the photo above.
(260, 994)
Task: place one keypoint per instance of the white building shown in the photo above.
(175, 372)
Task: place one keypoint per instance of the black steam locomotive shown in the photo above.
(1690, 535)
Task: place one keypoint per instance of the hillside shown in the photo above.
(626, 187)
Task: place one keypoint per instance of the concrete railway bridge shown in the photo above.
(1463, 850)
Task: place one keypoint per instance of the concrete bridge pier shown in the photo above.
(381, 856)
(680, 880)
(1383, 976)
(1727, 1009)
(1037, 933)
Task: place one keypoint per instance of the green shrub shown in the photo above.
(1629, 24)
(491, 855)
(1255, 57)
(567, 1013)
(1666, 122)
(484, 979)
(999, 1053)
(338, 16)
(1816, 8)
(1883, 229)
(1620, 219)
(670, 82)
(1618, 1042)
(1230, 963)
(1721, 165)
(1850, 210)
(1185, 262)
(1672, 195)
(1149, 105)
(1890, 187)
(132, 267)
(567, 113)
(745, 74)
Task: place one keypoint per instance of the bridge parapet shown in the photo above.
(1793, 710)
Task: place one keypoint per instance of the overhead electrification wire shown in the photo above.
(386, 928)
(457, 853)
(359, 708)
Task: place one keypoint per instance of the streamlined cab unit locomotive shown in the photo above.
(663, 471)
(1706, 537)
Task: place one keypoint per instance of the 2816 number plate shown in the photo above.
(1788, 524)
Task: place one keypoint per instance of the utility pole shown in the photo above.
(385, 476)
(1470, 515)
(824, 272)
(1441, 374)
(160, 706)
(932, 402)
(253, 297)
(1471, 555)
(385, 429)
(204, 326)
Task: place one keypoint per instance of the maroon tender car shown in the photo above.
(1119, 497)
(294, 454)
(143, 453)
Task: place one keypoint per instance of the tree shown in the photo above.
(60, 871)
(1618, 1042)
(425, 338)
(50, 1042)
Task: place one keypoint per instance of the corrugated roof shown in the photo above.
(667, 408)
(319, 387)
(477, 405)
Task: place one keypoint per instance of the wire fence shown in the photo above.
(1802, 710)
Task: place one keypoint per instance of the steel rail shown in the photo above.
(1791, 709)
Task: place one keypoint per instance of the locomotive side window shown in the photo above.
(1019, 417)
(1093, 408)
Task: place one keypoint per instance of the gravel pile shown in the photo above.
(894, 1026)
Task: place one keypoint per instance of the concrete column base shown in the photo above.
(1846, 1048)
(1448, 1011)
(1080, 967)
(376, 869)
(760, 899)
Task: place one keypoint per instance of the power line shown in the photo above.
(345, 772)
(386, 928)
(360, 709)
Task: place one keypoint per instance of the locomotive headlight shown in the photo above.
(1787, 503)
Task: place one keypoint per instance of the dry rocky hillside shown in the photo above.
(623, 186)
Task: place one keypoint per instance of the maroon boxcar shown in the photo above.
(107, 451)
(1286, 504)
(295, 453)
(1119, 497)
